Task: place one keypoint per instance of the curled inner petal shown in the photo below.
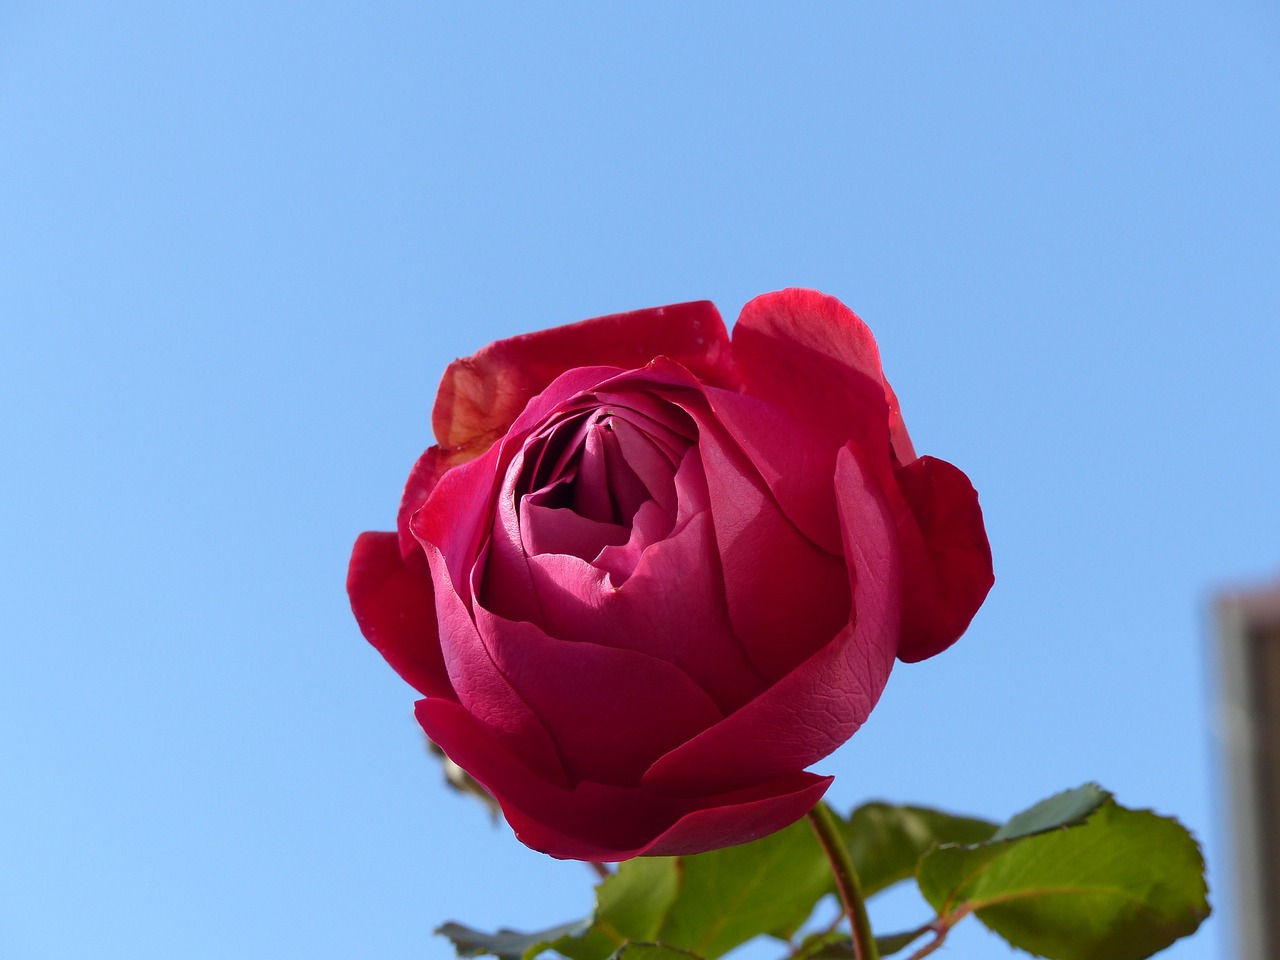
(596, 482)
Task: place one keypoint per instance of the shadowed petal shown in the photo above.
(592, 821)
(740, 819)
(395, 608)
(424, 476)
(786, 596)
(813, 358)
(650, 525)
(651, 464)
(560, 530)
(457, 516)
(946, 554)
(792, 460)
(611, 711)
(481, 687)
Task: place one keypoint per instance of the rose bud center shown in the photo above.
(600, 484)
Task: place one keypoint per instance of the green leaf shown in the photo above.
(729, 896)
(834, 945)
(824, 945)
(1066, 809)
(630, 906)
(592, 943)
(636, 898)
(1123, 884)
(887, 841)
(507, 944)
(893, 942)
(652, 951)
(948, 868)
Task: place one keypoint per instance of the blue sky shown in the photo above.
(238, 245)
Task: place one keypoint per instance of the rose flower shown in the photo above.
(648, 575)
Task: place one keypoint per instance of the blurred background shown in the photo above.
(240, 242)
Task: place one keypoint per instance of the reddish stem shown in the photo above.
(833, 845)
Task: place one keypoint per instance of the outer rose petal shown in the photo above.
(395, 608)
(795, 467)
(786, 596)
(592, 821)
(903, 448)
(589, 697)
(733, 821)
(949, 558)
(821, 704)
(481, 396)
(424, 476)
(812, 357)
(480, 685)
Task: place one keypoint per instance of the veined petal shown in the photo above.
(822, 702)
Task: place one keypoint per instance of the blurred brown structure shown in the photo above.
(1249, 656)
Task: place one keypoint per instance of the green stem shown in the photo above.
(824, 825)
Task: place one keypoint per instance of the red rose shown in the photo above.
(648, 575)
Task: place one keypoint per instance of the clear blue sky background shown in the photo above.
(239, 243)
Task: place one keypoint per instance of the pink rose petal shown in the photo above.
(786, 596)
(610, 711)
(820, 704)
(688, 627)
(481, 687)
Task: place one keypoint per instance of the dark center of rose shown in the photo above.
(589, 473)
